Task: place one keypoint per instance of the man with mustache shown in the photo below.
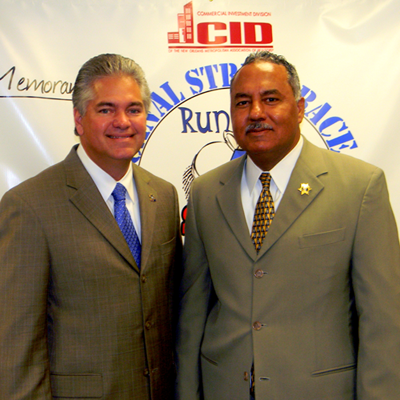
(88, 252)
(291, 282)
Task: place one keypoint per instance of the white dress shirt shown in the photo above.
(106, 184)
(251, 185)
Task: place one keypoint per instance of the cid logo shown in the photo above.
(235, 33)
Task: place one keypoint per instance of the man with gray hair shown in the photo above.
(89, 250)
(291, 279)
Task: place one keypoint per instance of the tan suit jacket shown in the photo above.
(317, 310)
(78, 318)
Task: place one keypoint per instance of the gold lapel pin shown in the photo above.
(304, 189)
(152, 198)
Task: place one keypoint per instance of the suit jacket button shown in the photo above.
(148, 325)
(146, 372)
(144, 279)
(259, 273)
(246, 376)
(257, 325)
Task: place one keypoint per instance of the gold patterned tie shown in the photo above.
(264, 212)
(263, 215)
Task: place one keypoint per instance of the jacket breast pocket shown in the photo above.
(322, 238)
(77, 386)
(169, 246)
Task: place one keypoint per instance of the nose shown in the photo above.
(256, 111)
(121, 120)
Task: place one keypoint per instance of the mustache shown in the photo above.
(258, 125)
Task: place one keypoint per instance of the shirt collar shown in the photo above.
(105, 182)
(280, 173)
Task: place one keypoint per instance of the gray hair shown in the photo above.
(107, 65)
(267, 56)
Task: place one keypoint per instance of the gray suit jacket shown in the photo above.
(78, 318)
(317, 310)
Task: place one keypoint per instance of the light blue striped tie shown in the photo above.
(125, 223)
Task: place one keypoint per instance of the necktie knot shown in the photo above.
(119, 193)
(265, 179)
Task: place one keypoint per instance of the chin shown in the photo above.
(258, 150)
(124, 156)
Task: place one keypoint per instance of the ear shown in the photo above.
(78, 122)
(300, 109)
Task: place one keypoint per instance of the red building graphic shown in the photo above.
(185, 26)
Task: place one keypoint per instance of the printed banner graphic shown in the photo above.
(346, 54)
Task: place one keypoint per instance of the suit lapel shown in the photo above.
(229, 200)
(148, 206)
(88, 200)
(308, 168)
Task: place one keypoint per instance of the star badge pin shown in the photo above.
(152, 198)
(304, 189)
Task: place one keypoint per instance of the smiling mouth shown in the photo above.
(120, 137)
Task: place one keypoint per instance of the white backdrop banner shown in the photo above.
(346, 53)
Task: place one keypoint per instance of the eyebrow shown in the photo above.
(264, 93)
(111, 104)
(271, 91)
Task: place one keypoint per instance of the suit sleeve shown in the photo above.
(195, 292)
(24, 276)
(376, 283)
